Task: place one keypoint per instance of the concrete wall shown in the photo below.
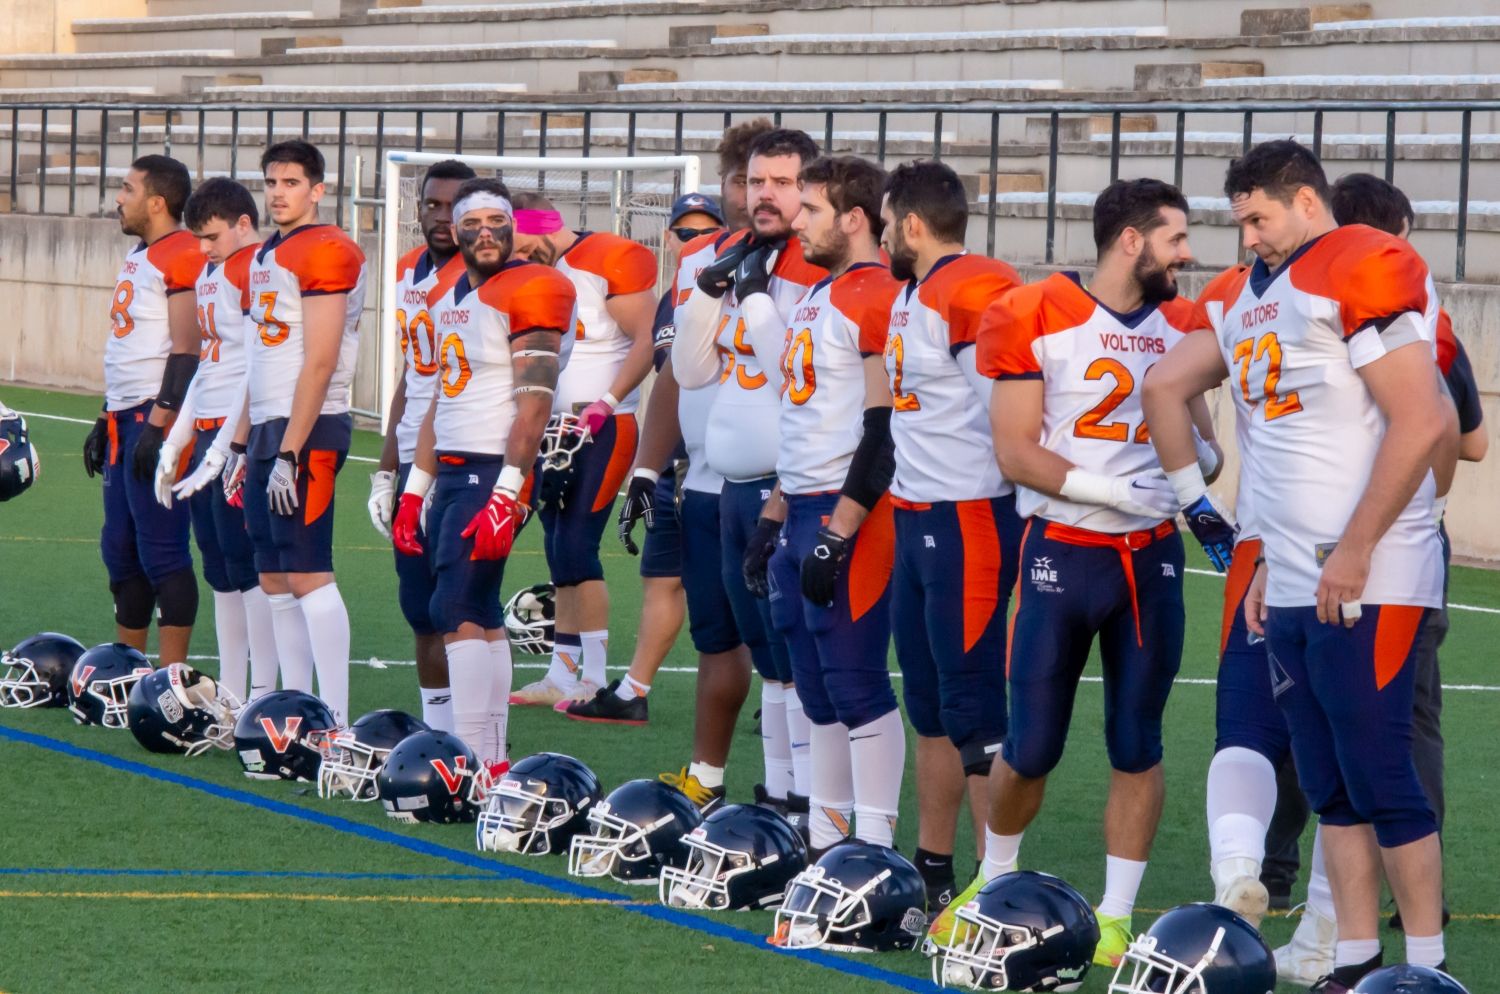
(64, 268)
(40, 26)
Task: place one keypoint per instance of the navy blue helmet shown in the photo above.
(637, 830)
(1203, 948)
(429, 777)
(99, 686)
(281, 736)
(177, 709)
(1409, 979)
(19, 463)
(538, 806)
(858, 897)
(742, 856)
(37, 670)
(1023, 931)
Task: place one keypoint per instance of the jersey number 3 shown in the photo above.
(273, 331)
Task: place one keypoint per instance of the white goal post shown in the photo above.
(627, 195)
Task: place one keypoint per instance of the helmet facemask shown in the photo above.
(110, 696)
(818, 909)
(562, 439)
(976, 954)
(703, 884)
(217, 706)
(617, 848)
(349, 766)
(519, 818)
(1154, 972)
(22, 686)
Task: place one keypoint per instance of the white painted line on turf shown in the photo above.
(85, 421)
(1451, 606)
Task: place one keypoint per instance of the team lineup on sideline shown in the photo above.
(828, 436)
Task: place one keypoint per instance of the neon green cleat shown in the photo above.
(945, 923)
(1114, 939)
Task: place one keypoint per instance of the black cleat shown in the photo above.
(606, 707)
(1344, 979)
(798, 812)
(764, 800)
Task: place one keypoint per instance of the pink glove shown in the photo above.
(494, 527)
(404, 527)
(593, 418)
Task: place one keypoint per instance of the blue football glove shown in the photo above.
(1213, 529)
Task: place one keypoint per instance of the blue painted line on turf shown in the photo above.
(82, 871)
(500, 871)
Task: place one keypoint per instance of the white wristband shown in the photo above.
(610, 399)
(647, 474)
(418, 482)
(1187, 483)
(511, 480)
(1082, 487)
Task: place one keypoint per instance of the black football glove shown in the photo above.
(147, 451)
(758, 552)
(753, 275)
(718, 277)
(640, 503)
(822, 567)
(1213, 529)
(96, 448)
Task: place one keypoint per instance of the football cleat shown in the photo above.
(606, 707)
(638, 830)
(856, 898)
(539, 693)
(1237, 886)
(1114, 938)
(282, 735)
(429, 777)
(1408, 978)
(37, 670)
(1309, 955)
(581, 694)
(1025, 931)
(100, 684)
(538, 806)
(741, 857)
(945, 929)
(706, 798)
(352, 756)
(530, 617)
(1344, 979)
(1202, 948)
(177, 709)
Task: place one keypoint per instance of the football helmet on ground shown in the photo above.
(1197, 949)
(637, 830)
(1407, 978)
(100, 684)
(281, 736)
(352, 756)
(178, 709)
(529, 618)
(858, 897)
(742, 856)
(19, 463)
(429, 777)
(37, 670)
(1023, 931)
(538, 806)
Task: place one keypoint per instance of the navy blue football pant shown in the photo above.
(739, 510)
(711, 618)
(838, 652)
(661, 552)
(464, 589)
(139, 537)
(572, 527)
(300, 542)
(1078, 585)
(219, 527)
(950, 594)
(414, 579)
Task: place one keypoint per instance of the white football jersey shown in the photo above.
(135, 354)
(223, 295)
(419, 284)
(1293, 341)
(312, 260)
(694, 406)
(601, 265)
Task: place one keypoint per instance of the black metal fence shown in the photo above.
(983, 137)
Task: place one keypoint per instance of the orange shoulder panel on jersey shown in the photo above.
(627, 266)
(734, 239)
(408, 262)
(793, 268)
(1222, 289)
(323, 259)
(1447, 342)
(865, 297)
(963, 290)
(237, 272)
(1370, 274)
(446, 277)
(1180, 313)
(535, 297)
(177, 257)
(1011, 325)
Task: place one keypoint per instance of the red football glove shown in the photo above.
(404, 528)
(494, 527)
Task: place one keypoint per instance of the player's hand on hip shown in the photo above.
(493, 529)
(1214, 529)
(640, 504)
(1340, 586)
(382, 500)
(281, 488)
(166, 473)
(96, 448)
(208, 471)
(822, 567)
(407, 523)
(756, 565)
(1255, 602)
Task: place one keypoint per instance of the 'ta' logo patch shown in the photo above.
(453, 779)
(80, 679)
(282, 739)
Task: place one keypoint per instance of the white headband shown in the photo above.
(478, 199)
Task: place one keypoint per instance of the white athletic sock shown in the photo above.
(567, 662)
(293, 646)
(1425, 950)
(1122, 881)
(711, 777)
(437, 708)
(877, 757)
(1353, 952)
(629, 688)
(799, 732)
(328, 629)
(1319, 890)
(1241, 800)
(499, 710)
(471, 673)
(1001, 853)
(233, 633)
(595, 654)
(832, 789)
(775, 742)
(265, 663)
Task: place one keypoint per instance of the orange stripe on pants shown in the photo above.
(1394, 634)
(322, 465)
(620, 458)
(981, 542)
(1236, 585)
(873, 559)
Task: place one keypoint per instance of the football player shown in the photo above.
(717, 341)
(1101, 557)
(501, 325)
(597, 396)
(652, 496)
(1327, 337)
(829, 578)
(222, 215)
(307, 288)
(426, 271)
(957, 532)
(149, 360)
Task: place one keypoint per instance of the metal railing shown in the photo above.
(982, 135)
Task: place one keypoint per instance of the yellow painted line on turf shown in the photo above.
(194, 895)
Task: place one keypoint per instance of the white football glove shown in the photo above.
(382, 500)
(1144, 495)
(281, 488)
(207, 472)
(166, 472)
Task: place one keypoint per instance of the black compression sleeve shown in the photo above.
(874, 464)
(174, 383)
